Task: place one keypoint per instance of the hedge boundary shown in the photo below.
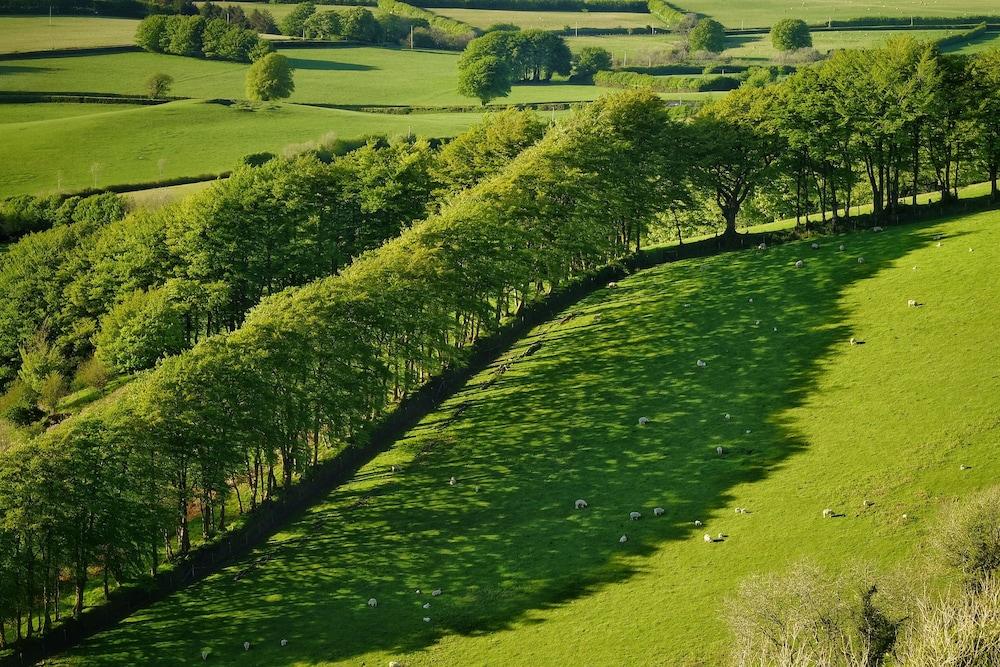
(683, 84)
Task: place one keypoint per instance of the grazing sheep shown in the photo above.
(867, 503)
(643, 421)
(427, 605)
(861, 260)
(748, 431)
(841, 247)
(720, 451)
(739, 510)
(728, 416)
(756, 323)
(750, 300)
(938, 244)
(580, 504)
(436, 592)
(658, 511)
(634, 516)
(799, 264)
(905, 517)
(701, 364)
(912, 303)
(971, 250)
(828, 513)
(284, 642)
(762, 246)
(452, 481)
(393, 468)
(246, 646)
(815, 246)
(708, 538)
(853, 341)
(372, 602)
(721, 537)
(698, 524)
(204, 654)
(775, 329)
(876, 228)
(623, 539)
(427, 619)
(612, 285)
(963, 467)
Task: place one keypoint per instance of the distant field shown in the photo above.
(346, 75)
(23, 113)
(758, 47)
(278, 11)
(157, 197)
(484, 18)
(990, 40)
(763, 13)
(184, 138)
(39, 33)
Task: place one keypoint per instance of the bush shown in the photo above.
(91, 373)
(673, 84)
(664, 11)
(158, 85)
(589, 61)
(708, 35)
(790, 34)
(969, 536)
(17, 405)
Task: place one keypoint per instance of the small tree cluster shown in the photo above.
(707, 35)
(492, 63)
(198, 37)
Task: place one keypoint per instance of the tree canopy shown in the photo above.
(270, 78)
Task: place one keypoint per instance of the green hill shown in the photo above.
(814, 423)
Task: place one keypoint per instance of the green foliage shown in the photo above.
(140, 330)
(669, 15)
(790, 34)
(158, 85)
(707, 35)
(484, 77)
(91, 373)
(294, 24)
(359, 24)
(196, 36)
(669, 84)
(589, 61)
(322, 25)
(491, 63)
(442, 23)
(969, 536)
(269, 78)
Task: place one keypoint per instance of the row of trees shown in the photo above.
(199, 37)
(258, 20)
(311, 367)
(492, 63)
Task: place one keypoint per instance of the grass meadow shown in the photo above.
(118, 145)
(764, 13)
(38, 33)
(484, 18)
(527, 580)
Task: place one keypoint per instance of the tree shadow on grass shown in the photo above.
(328, 65)
(25, 69)
(505, 541)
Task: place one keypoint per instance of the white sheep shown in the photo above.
(698, 523)
(658, 511)
(853, 341)
(427, 619)
(841, 247)
(867, 503)
(427, 605)
(204, 654)
(876, 228)
(971, 250)
(756, 323)
(905, 517)
(417, 591)
(799, 264)
(750, 300)
(721, 537)
(643, 421)
(701, 364)
(436, 592)
(452, 481)
(762, 246)
(963, 467)
(912, 303)
(246, 646)
(728, 416)
(707, 538)
(828, 513)
(748, 431)
(775, 329)
(580, 504)
(815, 246)
(372, 602)
(634, 516)
(284, 642)
(612, 285)
(861, 260)
(720, 451)
(623, 539)
(939, 244)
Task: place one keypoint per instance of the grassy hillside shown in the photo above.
(527, 580)
(190, 138)
(763, 13)
(38, 33)
(348, 75)
(23, 113)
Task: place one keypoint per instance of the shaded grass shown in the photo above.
(346, 75)
(186, 138)
(764, 13)
(529, 581)
(38, 33)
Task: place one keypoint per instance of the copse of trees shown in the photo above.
(311, 368)
(790, 34)
(261, 21)
(492, 63)
(196, 36)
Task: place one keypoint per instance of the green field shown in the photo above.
(484, 18)
(758, 47)
(22, 113)
(763, 13)
(187, 138)
(277, 10)
(527, 580)
(37, 33)
(346, 75)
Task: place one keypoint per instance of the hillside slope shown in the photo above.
(527, 580)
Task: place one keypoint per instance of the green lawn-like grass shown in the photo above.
(38, 33)
(185, 138)
(764, 13)
(23, 113)
(345, 75)
(484, 18)
(277, 10)
(527, 580)
(759, 47)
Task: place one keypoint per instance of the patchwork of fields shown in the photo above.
(814, 423)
